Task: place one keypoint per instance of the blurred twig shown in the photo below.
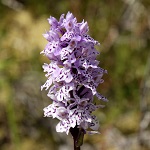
(128, 21)
(11, 116)
(144, 135)
(13, 4)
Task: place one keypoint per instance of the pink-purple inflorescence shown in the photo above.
(73, 74)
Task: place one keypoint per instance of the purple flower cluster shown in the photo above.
(73, 74)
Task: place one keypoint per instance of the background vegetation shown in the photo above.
(123, 29)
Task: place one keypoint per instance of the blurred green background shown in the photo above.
(123, 29)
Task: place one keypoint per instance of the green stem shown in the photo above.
(78, 135)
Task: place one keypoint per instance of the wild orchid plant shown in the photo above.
(73, 76)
